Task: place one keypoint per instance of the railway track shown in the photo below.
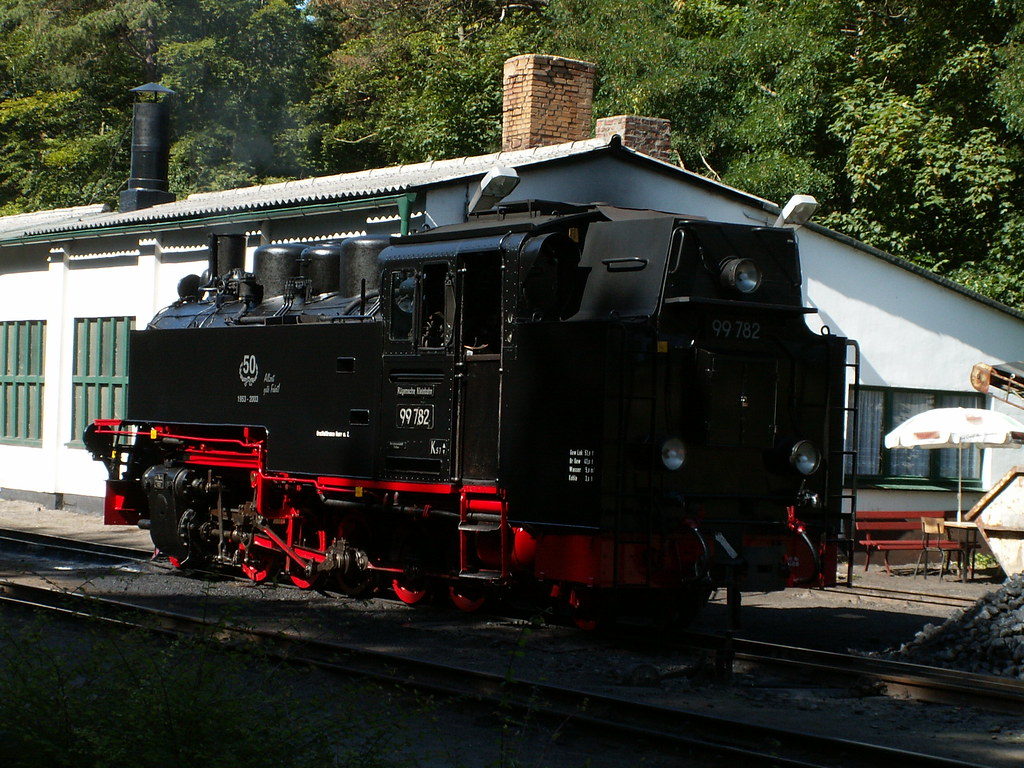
(94, 551)
(902, 595)
(923, 683)
(583, 711)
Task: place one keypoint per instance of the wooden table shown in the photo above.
(966, 535)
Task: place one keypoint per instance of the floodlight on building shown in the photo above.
(797, 211)
(496, 184)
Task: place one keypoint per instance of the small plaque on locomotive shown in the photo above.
(414, 416)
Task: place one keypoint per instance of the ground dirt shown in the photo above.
(829, 620)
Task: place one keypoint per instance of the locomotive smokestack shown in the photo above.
(150, 150)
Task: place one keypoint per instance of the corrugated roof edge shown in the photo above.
(375, 181)
(34, 219)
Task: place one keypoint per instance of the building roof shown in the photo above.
(13, 227)
(82, 221)
(322, 189)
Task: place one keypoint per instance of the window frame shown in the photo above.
(887, 478)
(109, 378)
(22, 381)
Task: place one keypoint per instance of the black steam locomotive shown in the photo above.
(612, 410)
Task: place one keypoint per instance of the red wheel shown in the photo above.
(466, 600)
(258, 563)
(318, 541)
(407, 594)
(585, 609)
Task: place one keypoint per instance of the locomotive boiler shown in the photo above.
(610, 411)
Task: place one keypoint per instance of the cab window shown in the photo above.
(403, 302)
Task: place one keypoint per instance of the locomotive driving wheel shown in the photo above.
(258, 562)
(467, 597)
(410, 589)
(309, 538)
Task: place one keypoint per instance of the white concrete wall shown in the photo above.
(95, 289)
(33, 295)
(611, 180)
(913, 333)
(114, 286)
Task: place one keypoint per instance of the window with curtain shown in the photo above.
(882, 410)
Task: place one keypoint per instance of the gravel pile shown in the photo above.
(987, 638)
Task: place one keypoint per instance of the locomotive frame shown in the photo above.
(606, 409)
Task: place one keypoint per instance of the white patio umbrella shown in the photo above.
(955, 428)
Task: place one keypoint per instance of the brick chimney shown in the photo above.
(650, 135)
(547, 100)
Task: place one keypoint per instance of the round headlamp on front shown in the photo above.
(805, 457)
(673, 454)
(740, 275)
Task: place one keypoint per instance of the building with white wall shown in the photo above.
(72, 282)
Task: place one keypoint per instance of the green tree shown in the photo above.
(408, 83)
(903, 118)
(745, 84)
(237, 67)
(932, 164)
(66, 68)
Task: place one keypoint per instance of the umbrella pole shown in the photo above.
(960, 482)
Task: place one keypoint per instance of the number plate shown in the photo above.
(415, 416)
(737, 330)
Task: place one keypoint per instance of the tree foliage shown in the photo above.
(64, 68)
(408, 83)
(905, 118)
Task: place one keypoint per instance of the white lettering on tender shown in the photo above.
(582, 465)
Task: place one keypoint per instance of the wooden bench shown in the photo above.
(886, 531)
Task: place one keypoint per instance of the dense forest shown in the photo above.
(905, 118)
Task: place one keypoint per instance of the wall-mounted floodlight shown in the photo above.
(496, 184)
(797, 212)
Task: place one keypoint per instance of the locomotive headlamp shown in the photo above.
(673, 454)
(805, 457)
(740, 275)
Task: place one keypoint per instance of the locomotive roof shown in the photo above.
(535, 215)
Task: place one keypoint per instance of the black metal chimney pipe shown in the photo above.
(150, 150)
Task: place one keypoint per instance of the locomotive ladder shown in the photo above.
(847, 456)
